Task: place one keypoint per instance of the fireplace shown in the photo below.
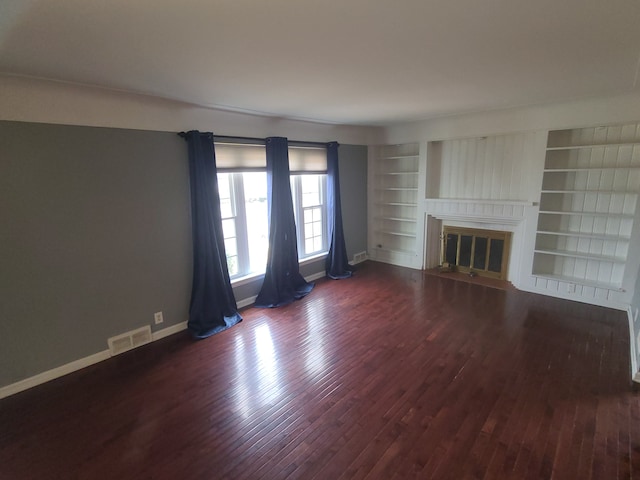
(476, 251)
(506, 220)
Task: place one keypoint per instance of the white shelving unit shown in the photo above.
(394, 184)
(588, 204)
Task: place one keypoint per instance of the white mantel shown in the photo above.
(509, 212)
(517, 217)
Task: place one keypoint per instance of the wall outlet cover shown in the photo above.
(157, 318)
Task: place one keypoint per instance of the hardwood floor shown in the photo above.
(391, 374)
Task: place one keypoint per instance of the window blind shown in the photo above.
(237, 157)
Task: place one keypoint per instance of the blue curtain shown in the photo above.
(282, 280)
(337, 263)
(213, 306)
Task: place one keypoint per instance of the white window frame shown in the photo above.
(298, 209)
(236, 189)
(236, 161)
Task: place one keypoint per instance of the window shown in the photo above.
(242, 182)
(309, 193)
(243, 204)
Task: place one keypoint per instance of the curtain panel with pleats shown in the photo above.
(283, 282)
(213, 306)
(337, 262)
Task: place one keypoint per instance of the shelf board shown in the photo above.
(579, 281)
(398, 157)
(396, 173)
(587, 256)
(398, 234)
(594, 236)
(595, 145)
(604, 192)
(397, 219)
(398, 189)
(397, 204)
(588, 169)
(588, 214)
(395, 250)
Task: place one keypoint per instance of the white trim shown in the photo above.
(448, 201)
(54, 373)
(360, 256)
(315, 276)
(591, 301)
(252, 277)
(247, 301)
(635, 374)
(76, 365)
(313, 258)
(81, 363)
(165, 332)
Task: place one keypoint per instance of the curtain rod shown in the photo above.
(262, 140)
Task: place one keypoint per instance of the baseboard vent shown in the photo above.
(359, 257)
(129, 340)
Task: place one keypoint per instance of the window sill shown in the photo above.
(238, 282)
(252, 277)
(312, 258)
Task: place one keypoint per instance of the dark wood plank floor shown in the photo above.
(392, 374)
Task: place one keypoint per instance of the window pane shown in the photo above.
(231, 246)
(229, 227)
(317, 229)
(255, 197)
(232, 265)
(310, 190)
(308, 197)
(224, 188)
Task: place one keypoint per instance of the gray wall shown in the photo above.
(353, 190)
(96, 237)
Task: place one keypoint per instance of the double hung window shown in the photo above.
(309, 192)
(242, 183)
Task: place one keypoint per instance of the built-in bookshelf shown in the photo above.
(394, 186)
(588, 204)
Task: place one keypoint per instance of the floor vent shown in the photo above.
(130, 340)
(359, 257)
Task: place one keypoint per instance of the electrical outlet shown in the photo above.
(157, 317)
(571, 288)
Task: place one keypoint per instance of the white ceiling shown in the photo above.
(362, 62)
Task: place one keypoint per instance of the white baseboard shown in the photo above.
(590, 301)
(165, 332)
(635, 374)
(81, 363)
(54, 373)
(76, 365)
(315, 276)
(245, 302)
(359, 257)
